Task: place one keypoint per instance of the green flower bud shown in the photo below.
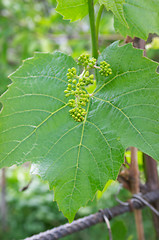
(83, 103)
(87, 74)
(74, 81)
(73, 69)
(91, 76)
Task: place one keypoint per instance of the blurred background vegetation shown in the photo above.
(26, 27)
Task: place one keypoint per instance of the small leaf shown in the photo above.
(73, 10)
(107, 185)
(116, 6)
(142, 18)
(78, 159)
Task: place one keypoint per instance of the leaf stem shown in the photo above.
(98, 20)
(93, 29)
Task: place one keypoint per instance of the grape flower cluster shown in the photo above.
(86, 61)
(105, 69)
(77, 85)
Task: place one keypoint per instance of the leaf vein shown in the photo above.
(105, 141)
(32, 132)
(116, 76)
(129, 122)
(77, 165)
(43, 76)
(33, 94)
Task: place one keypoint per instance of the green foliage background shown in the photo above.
(33, 211)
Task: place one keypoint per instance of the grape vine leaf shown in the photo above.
(116, 6)
(136, 18)
(77, 159)
(73, 10)
(142, 18)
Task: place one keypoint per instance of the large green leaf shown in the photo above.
(142, 17)
(73, 10)
(116, 6)
(79, 158)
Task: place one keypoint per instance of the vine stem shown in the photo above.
(3, 200)
(152, 182)
(135, 189)
(93, 29)
(98, 20)
(150, 165)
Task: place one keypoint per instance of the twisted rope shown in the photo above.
(93, 219)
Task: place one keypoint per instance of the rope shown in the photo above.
(86, 222)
